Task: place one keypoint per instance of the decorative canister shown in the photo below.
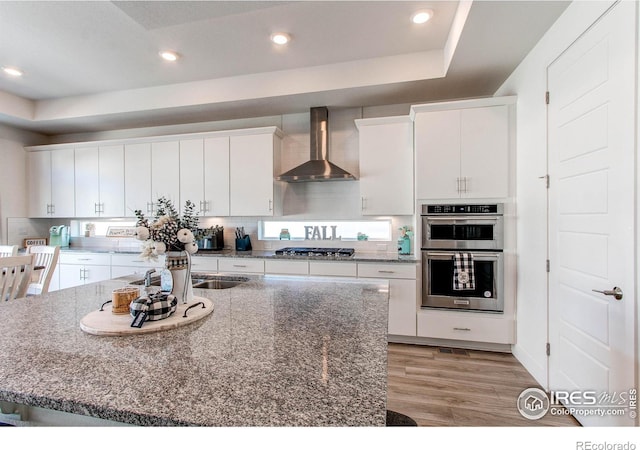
(122, 298)
(179, 263)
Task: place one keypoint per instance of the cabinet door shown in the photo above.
(386, 169)
(111, 181)
(71, 275)
(93, 274)
(87, 176)
(192, 173)
(137, 179)
(402, 307)
(216, 176)
(165, 172)
(485, 152)
(62, 183)
(437, 144)
(39, 183)
(251, 175)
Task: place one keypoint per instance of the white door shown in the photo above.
(591, 212)
(87, 176)
(62, 183)
(165, 172)
(192, 173)
(216, 176)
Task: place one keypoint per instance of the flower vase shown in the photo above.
(179, 264)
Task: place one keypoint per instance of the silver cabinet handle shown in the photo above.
(464, 185)
(386, 271)
(362, 203)
(270, 205)
(461, 329)
(458, 185)
(616, 292)
(239, 265)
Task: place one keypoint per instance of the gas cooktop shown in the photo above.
(315, 251)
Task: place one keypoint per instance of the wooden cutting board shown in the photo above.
(105, 323)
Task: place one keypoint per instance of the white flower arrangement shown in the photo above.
(168, 231)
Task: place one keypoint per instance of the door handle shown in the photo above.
(616, 292)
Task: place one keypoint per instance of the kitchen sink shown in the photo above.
(204, 281)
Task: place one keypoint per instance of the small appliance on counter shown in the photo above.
(59, 235)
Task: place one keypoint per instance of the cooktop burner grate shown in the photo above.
(315, 251)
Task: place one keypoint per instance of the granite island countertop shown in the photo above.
(277, 351)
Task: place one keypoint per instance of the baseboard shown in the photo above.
(470, 345)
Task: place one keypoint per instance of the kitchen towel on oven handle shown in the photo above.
(463, 274)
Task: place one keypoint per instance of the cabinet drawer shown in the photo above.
(333, 269)
(466, 327)
(374, 270)
(204, 264)
(245, 265)
(86, 258)
(287, 267)
(130, 260)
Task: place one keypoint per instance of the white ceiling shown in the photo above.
(94, 65)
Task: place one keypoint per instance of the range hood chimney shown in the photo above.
(318, 168)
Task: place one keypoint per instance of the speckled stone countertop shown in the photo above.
(383, 257)
(277, 351)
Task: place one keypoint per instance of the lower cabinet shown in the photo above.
(83, 268)
(241, 265)
(286, 267)
(403, 294)
(466, 326)
(128, 264)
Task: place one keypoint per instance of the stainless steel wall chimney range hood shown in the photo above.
(319, 168)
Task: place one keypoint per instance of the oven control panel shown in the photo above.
(462, 209)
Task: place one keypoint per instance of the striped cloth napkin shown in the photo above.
(463, 275)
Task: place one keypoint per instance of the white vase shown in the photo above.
(179, 264)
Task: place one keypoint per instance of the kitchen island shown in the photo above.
(277, 351)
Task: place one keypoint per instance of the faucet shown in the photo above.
(147, 277)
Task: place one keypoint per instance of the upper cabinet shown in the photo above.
(253, 163)
(204, 175)
(463, 149)
(386, 165)
(99, 178)
(51, 183)
(223, 173)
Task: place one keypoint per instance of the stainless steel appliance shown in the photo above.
(462, 257)
(316, 251)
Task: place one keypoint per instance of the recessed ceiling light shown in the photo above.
(12, 71)
(169, 55)
(422, 16)
(280, 38)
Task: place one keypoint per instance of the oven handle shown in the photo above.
(462, 219)
(450, 254)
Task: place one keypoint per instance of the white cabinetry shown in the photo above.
(463, 149)
(242, 265)
(204, 264)
(386, 165)
(333, 269)
(253, 162)
(286, 267)
(132, 264)
(137, 178)
(51, 183)
(466, 326)
(165, 176)
(204, 175)
(403, 294)
(83, 268)
(99, 181)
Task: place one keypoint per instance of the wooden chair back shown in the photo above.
(15, 276)
(8, 250)
(47, 256)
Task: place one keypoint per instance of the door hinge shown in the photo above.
(546, 97)
(548, 266)
(548, 349)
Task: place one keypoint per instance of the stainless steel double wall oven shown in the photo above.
(462, 257)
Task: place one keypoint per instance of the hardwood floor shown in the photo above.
(460, 388)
